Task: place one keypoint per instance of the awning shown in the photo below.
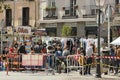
(116, 41)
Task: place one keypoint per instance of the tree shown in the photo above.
(66, 30)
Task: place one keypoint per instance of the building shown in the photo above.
(18, 18)
(79, 14)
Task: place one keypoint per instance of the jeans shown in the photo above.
(88, 65)
(117, 66)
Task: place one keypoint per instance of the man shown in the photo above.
(117, 61)
(89, 52)
(22, 50)
(65, 53)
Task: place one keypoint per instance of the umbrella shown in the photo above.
(116, 41)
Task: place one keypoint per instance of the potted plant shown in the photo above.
(53, 8)
(47, 8)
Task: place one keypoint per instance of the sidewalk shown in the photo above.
(43, 76)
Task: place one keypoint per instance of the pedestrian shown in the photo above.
(89, 52)
(58, 56)
(5, 52)
(65, 53)
(112, 60)
(117, 60)
(82, 61)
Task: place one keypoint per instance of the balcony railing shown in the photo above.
(50, 17)
(50, 13)
(69, 17)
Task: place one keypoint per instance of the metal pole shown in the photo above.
(13, 23)
(1, 35)
(98, 70)
(108, 26)
(35, 12)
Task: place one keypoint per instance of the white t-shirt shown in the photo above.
(89, 51)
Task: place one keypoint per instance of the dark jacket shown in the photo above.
(22, 49)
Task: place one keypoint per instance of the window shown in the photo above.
(25, 16)
(117, 1)
(72, 10)
(8, 17)
(51, 2)
(67, 11)
(51, 13)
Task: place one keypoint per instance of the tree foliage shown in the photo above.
(66, 30)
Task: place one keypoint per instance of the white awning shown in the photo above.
(116, 41)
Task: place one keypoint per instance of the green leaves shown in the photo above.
(4, 6)
(66, 30)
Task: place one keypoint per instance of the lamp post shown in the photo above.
(99, 3)
(108, 13)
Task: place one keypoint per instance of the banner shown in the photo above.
(32, 60)
(24, 30)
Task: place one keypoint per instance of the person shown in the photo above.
(22, 49)
(65, 53)
(112, 60)
(37, 48)
(11, 49)
(89, 52)
(5, 52)
(81, 59)
(117, 61)
(58, 55)
(32, 51)
(43, 50)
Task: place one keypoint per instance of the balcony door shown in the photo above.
(8, 18)
(25, 16)
(72, 9)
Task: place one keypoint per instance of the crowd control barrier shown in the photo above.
(75, 62)
(48, 62)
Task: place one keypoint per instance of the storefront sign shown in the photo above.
(40, 32)
(23, 30)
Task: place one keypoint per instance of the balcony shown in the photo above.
(69, 17)
(50, 13)
(89, 15)
(50, 17)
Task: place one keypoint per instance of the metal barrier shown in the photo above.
(47, 62)
(76, 62)
(14, 62)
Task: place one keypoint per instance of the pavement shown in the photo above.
(43, 76)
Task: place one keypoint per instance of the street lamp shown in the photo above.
(108, 13)
(99, 3)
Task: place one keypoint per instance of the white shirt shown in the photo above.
(89, 51)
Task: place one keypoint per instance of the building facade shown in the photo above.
(17, 16)
(79, 14)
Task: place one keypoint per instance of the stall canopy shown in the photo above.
(116, 41)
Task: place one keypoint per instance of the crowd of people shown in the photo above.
(61, 49)
(114, 62)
